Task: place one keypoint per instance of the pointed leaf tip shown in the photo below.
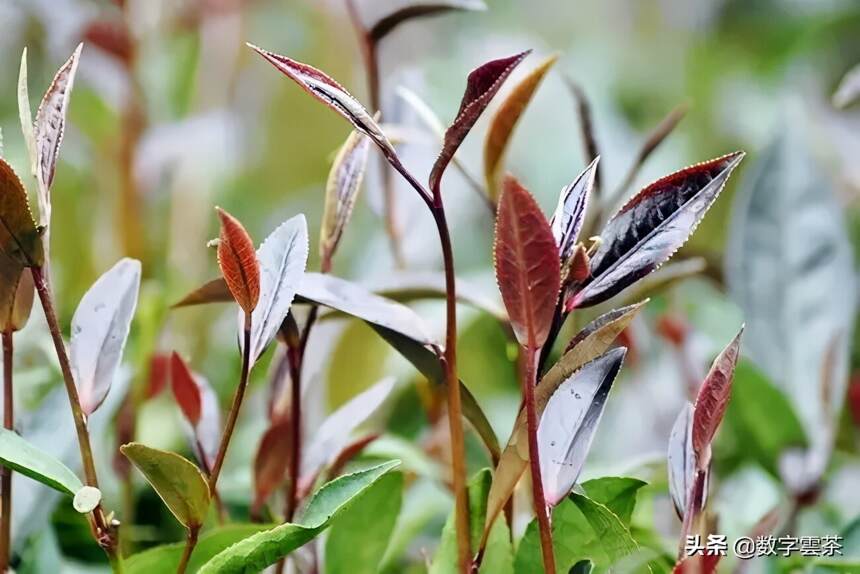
(527, 265)
(238, 261)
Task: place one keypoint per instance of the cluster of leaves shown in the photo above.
(546, 269)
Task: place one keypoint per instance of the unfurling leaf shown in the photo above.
(417, 9)
(49, 130)
(527, 265)
(342, 187)
(848, 91)
(22, 457)
(100, 328)
(682, 460)
(178, 482)
(19, 238)
(334, 433)
(272, 460)
(238, 262)
(650, 227)
(25, 115)
(505, 120)
(481, 85)
(282, 259)
(255, 553)
(328, 91)
(712, 400)
(569, 214)
(569, 421)
(586, 346)
(185, 389)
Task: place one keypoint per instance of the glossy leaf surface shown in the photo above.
(504, 121)
(100, 328)
(482, 84)
(569, 421)
(22, 457)
(261, 550)
(178, 482)
(238, 262)
(527, 265)
(569, 214)
(650, 227)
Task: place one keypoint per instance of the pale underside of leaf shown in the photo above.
(681, 459)
(592, 342)
(49, 129)
(25, 115)
(569, 421)
(651, 227)
(505, 120)
(100, 328)
(570, 212)
(848, 91)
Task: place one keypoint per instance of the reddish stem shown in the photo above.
(6, 472)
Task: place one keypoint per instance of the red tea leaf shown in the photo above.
(159, 374)
(712, 400)
(272, 460)
(650, 227)
(328, 91)
(526, 262)
(854, 398)
(483, 83)
(415, 10)
(238, 261)
(112, 37)
(185, 389)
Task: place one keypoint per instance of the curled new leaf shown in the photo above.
(527, 267)
(49, 129)
(650, 227)
(327, 90)
(100, 328)
(342, 187)
(417, 9)
(238, 262)
(481, 85)
(569, 214)
(682, 459)
(19, 237)
(569, 421)
(505, 120)
(282, 259)
(178, 482)
(185, 389)
(712, 400)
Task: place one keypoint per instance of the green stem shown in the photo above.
(6, 472)
(230, 426)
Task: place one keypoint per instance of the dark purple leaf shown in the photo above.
(327, 90)
(414, 10)
(650, 227)
(712, 400)
(481, 86)
(569, 421)
(569, 215)
(526, 262)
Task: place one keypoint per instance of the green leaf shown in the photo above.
(498, 555)
(617, 493)
(178, 482)
(760, 420)
(165, 559)
(582, 529)
(360, 535)
(265, 548)
(21, 456)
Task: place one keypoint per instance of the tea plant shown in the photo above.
(342, 508)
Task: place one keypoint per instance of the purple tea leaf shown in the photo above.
(100, 328)
(418, 9)
(334, 433)
(650, 227)
(482, 84)
(327, 90)
(282, 258)
(49, 129)
(569, 421)
(569, 214)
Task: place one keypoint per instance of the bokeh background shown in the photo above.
(172, 115)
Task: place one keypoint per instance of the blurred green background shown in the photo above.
(172, 115)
